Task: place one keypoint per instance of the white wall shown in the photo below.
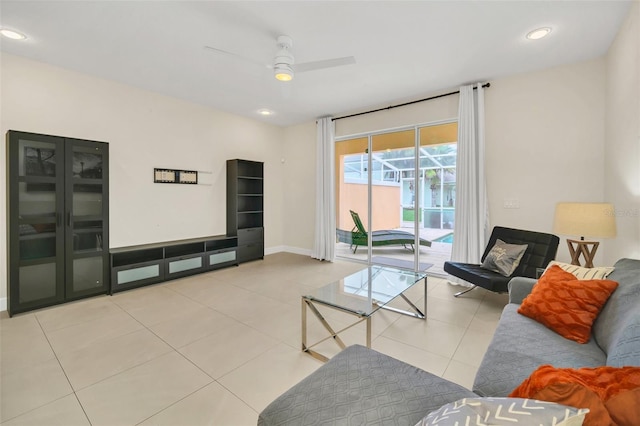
(144, 130)
(545, 143)
(299, 187)
(424, 112)
(622, 154)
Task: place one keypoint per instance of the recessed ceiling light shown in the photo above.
(14, 35)
(265, 112)
(539, 33)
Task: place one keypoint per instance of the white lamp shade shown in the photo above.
(595, 220)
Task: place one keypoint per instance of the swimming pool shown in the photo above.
(445, 239)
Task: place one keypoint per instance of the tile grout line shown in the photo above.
(213, 380)
(462, 338)
(63, 372)
(75, 391)
(175, 402)
(68, 305)
(173, 349)
(210, 334)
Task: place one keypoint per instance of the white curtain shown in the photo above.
(324, 246)
(471, 214)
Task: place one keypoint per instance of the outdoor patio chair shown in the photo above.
(541, 249)
(358, 236)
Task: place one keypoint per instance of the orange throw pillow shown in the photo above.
(566, 305)
(612, 394)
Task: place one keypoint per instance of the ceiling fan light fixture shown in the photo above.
(283, 62)
(283, 72)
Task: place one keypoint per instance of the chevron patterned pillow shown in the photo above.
(504, 411)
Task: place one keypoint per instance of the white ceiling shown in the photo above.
(404, 50)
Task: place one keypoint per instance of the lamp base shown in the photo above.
(586, 249)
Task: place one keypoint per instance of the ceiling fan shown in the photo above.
(284, 66)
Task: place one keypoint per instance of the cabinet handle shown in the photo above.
(68, 218)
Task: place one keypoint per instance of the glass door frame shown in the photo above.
(417, 181)
(71, 218)
(17, 142)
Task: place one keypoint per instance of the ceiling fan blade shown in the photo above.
(235, 55)
(327, 63)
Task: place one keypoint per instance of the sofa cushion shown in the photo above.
(504, 411)
(515, 352)
(617, 328)
(565, 304)
(626, 348)
(519, 288)
(360, 386)
(603, 390)
(504, 258)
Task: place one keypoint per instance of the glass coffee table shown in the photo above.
(361, 294)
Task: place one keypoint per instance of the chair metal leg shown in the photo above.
(460, 293)
(411, 249)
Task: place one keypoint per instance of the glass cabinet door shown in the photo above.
(87, 208)
(35, 219)
(58, 217)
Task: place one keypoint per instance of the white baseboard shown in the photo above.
(3, 303)
(287, 249)
(298, 250)
(273, 250)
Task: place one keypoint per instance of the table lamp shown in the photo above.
(594, 220)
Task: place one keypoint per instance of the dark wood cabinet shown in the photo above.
(58, 219)
(137, 266)
(245, 207)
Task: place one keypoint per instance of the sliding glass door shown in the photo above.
(395, 194)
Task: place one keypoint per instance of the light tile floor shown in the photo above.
(214, 348)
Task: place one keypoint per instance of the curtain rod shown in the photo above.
(405, 104)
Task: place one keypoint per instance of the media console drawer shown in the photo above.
(250, 235)
(185, 265)
(253, 251)
(222, 257)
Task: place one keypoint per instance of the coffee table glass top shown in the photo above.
(366, 291)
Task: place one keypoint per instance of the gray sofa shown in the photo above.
(520, 344)
(360, 386)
